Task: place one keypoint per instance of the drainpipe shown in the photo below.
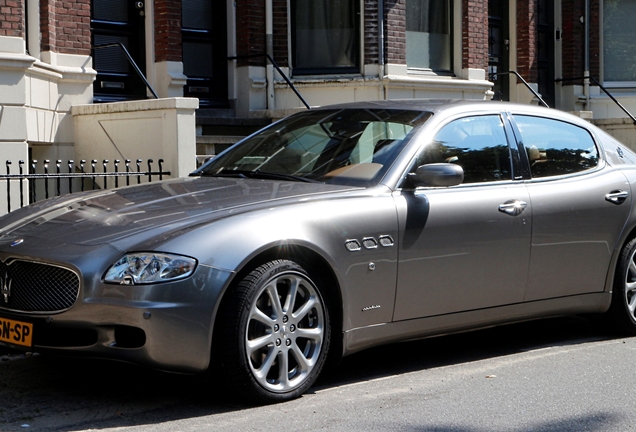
(269, 49)
(586, 72)
(381, 45)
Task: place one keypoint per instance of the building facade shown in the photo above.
(56, 54)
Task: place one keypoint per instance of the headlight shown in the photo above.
(149, 267)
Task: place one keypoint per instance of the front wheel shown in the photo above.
(623, 309)
(274, 333)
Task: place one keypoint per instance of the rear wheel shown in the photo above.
(623, 309)
(275, 333)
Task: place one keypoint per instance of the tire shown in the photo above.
(622, 312)
(274, 333)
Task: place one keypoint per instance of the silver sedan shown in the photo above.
(331, 231)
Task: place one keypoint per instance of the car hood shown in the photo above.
(106, 216)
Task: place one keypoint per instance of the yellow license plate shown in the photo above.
(16, 332)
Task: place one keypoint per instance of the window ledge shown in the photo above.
(327, 80)
(441, 82)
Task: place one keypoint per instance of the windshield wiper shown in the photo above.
(258, 174)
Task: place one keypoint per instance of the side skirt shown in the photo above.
(366, 337)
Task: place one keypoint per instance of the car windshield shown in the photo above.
(340, 146)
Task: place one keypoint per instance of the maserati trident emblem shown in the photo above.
(5, 286)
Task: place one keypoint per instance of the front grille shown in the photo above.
(28, 286)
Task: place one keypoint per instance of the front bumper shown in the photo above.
(165, 326)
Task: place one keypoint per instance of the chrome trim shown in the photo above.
(617, 196)
(386, 241)
(370, 243)
(353, 245)
(513, 207)
(12, 260)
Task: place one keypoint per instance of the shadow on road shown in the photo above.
(53, 393)
(465, 347)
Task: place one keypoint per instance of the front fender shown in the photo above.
(366, 276)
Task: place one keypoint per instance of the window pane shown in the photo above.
(197, 59)
(110, 10)
(111, 59)
(325, 34)
(477, 144)
(619, 40)
(349, 146)
(555, 147)
(197, 14)
(428, 34)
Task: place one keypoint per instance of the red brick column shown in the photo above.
(475, 34)
(66, 26)
(47, 25)
(281, 46)
(395, 34)
(11, 18)
(527, 40)
(250, 30)
(573, 39)
(595, 39)
(371, 32)
(168, 30)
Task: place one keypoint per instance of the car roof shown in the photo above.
(450, 106)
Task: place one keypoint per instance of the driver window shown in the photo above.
(477, 144)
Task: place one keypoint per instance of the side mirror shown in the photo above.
(438, 174)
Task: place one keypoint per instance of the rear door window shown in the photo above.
(555, 147)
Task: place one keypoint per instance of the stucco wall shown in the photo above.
(156, 129)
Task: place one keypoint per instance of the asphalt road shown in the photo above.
(563, 374)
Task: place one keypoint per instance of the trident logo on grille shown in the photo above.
(5, 286)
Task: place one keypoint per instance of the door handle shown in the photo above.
(617, 197)
(513, 207)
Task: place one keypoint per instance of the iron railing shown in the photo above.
(493, 77)
(604, 90)
(132, 63)
(280, 71)
(43, 180)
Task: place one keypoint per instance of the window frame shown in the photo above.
(526, 160)
(516, 164)
(358, 32)
(606, 83)
(453, 24)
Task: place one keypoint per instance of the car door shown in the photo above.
(464, 247)
(580, 205)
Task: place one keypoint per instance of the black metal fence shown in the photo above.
(36, 181)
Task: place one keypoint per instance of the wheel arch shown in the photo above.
(320, 271)
(630, 234)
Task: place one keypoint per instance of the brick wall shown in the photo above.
(11, 18)
(395, 34)
(47, 25)
(475, 34)
(371, 34)
(281, 46)
(527, 40)
(595, 39)
(168, 30)
(66, 26)
(573, 39)
(250, 30)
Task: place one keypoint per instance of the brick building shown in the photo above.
(57, 54)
